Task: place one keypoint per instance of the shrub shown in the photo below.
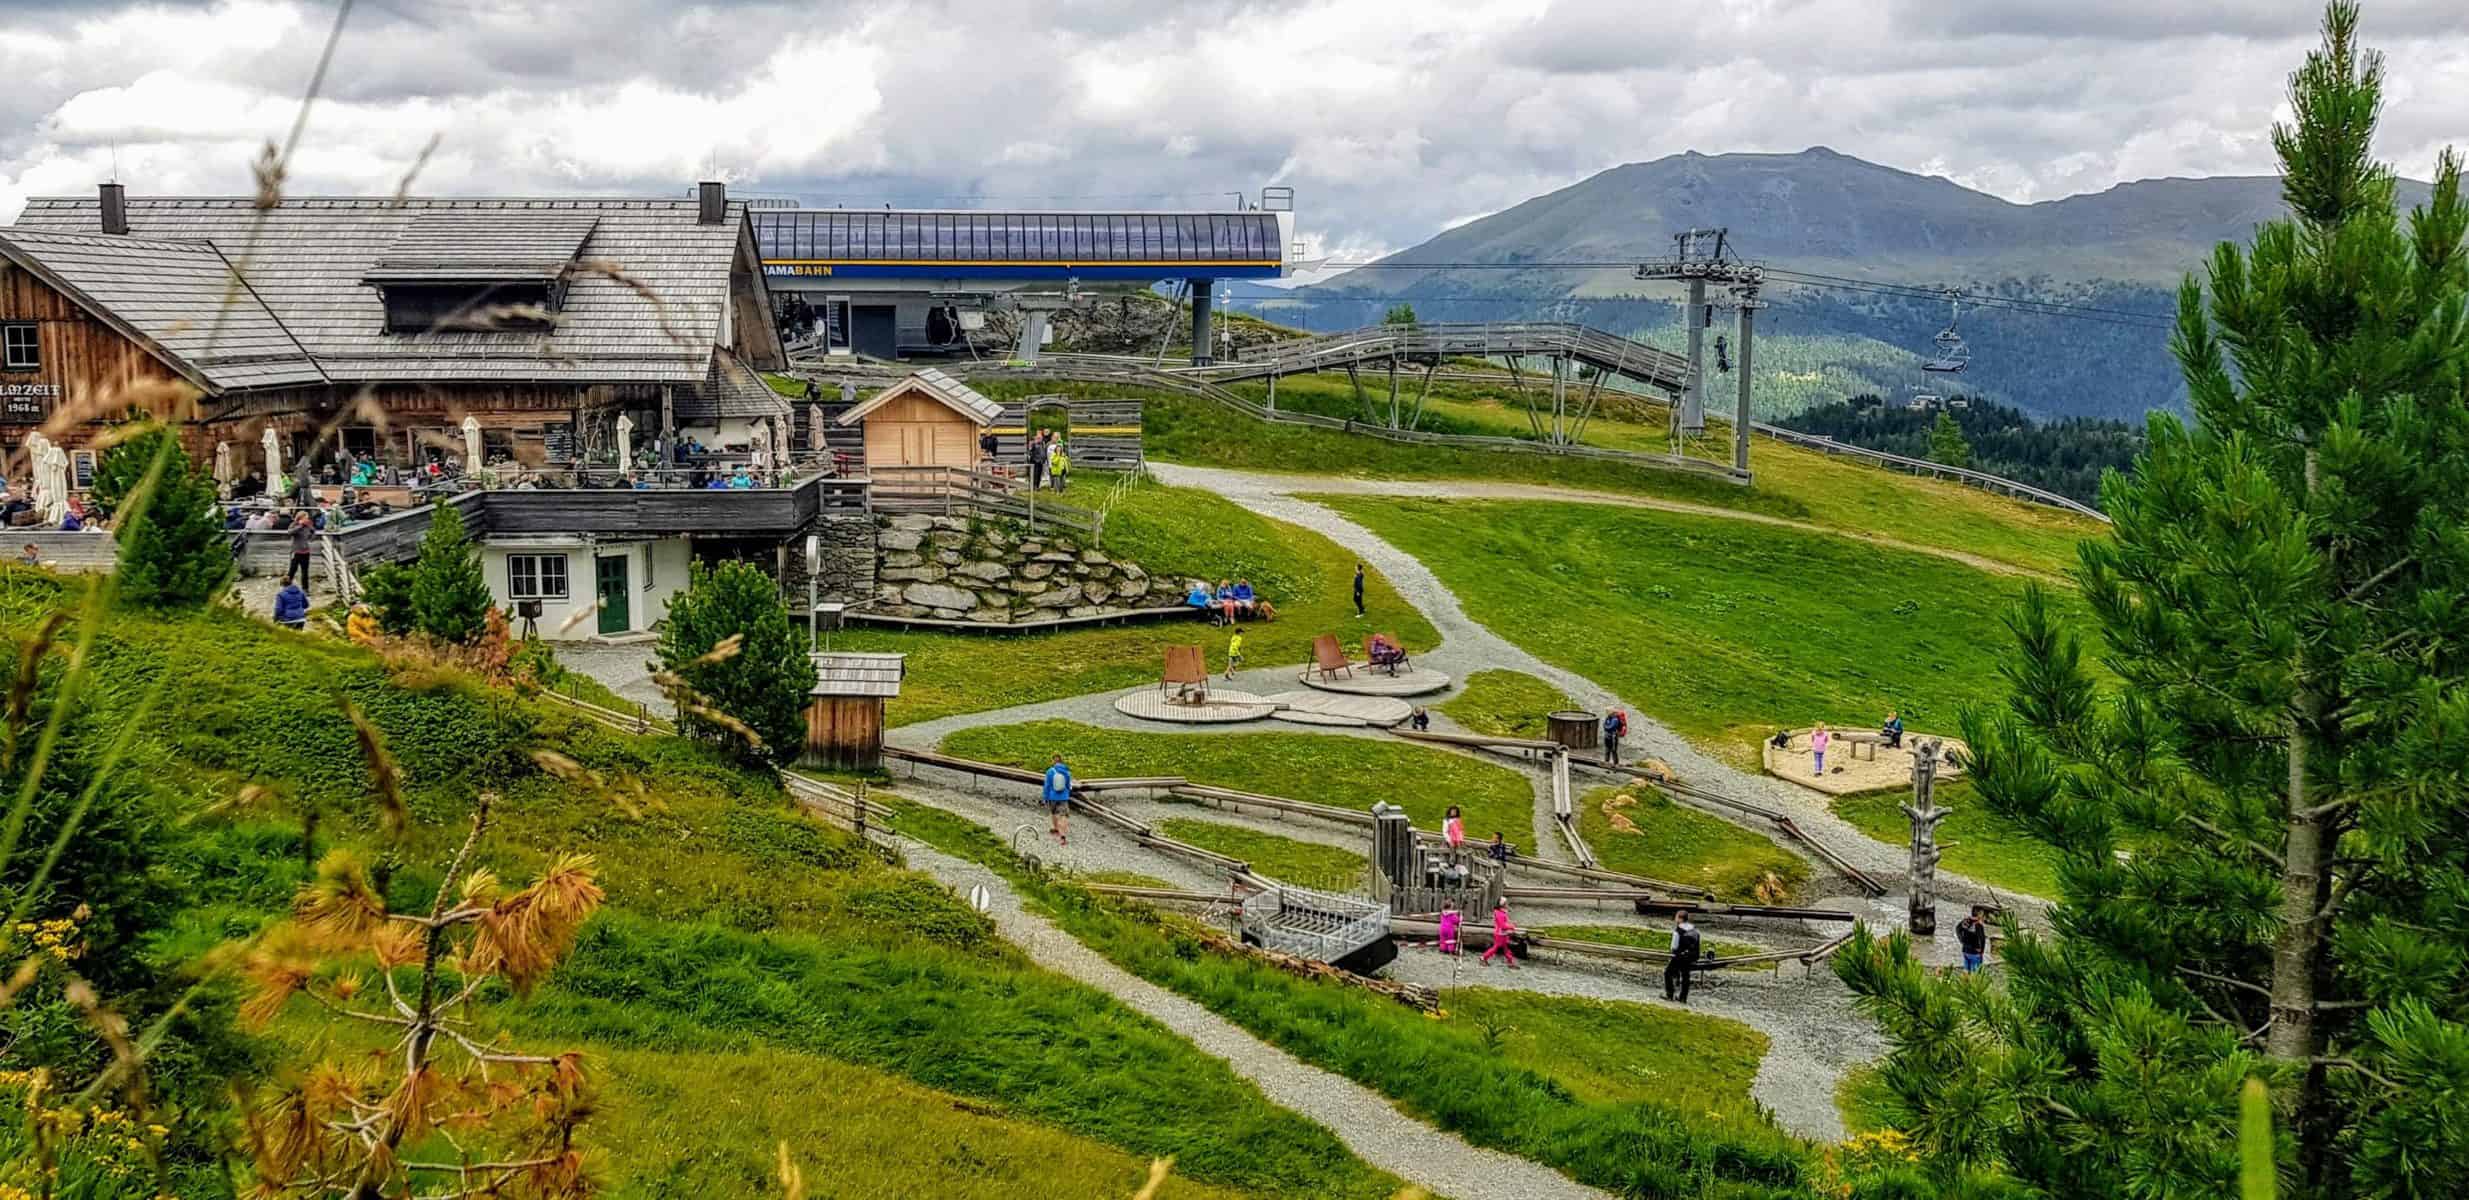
(173, 550)
(386, 589)
(760, 686)
(449, 595)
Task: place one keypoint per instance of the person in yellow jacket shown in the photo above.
(1234, 651)
(361, 625)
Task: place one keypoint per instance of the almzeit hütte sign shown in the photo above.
(26, 401)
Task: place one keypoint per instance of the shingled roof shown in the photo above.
(731, 390)
(180, 300)
(646, 283)
(958, 396)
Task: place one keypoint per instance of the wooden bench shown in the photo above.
(1864, 745)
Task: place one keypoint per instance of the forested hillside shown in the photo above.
(2066, 456)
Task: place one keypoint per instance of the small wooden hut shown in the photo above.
(844, 712)
(928, 419)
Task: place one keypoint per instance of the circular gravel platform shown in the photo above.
(1224, 706)
(1367, 682)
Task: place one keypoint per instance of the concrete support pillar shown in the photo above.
(1741, 417)
(1693, 401)
(1204, 333)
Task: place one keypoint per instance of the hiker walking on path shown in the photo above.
(1615, 727)
(1358, 591)
(1685, 949)
(1501, 929)
(1058, 797)
(302, 538)
(1818, 738)
(1973, 935)
(1234, 652)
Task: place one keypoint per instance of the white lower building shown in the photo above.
(585, 586)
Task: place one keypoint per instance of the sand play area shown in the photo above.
(1855, 762)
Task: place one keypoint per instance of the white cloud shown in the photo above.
(1390, 120)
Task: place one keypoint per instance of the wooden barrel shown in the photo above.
(1576, 729)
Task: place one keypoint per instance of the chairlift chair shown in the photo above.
(1952, 355)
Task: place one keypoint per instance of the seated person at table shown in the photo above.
(1892, 732)
(234, 519)
(741, 479)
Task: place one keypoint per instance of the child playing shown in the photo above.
(1450, 919)
(1234, 651)
(1501, 929)
(1453, 828)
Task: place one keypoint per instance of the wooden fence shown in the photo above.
(1101, 435)
(955, 492)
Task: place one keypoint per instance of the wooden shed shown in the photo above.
(928, 419)
(844, 712)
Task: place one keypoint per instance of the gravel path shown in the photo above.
(1365, 1120)
(1481, 489)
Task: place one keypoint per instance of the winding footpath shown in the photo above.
(1365, 1120)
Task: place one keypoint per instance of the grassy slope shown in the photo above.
(1722, 630)
(1791, 482)
(1609, 1115)
(1171, 532)
(1348, 772)
(1306, 864)
(1684, 845)
(1977, 842)
(736, 927)
(1505, 704)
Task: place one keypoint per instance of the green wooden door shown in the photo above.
(610, 576)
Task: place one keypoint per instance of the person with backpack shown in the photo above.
(1615, 727)
(1972, 934)
(1058, 799)
(1685, 950)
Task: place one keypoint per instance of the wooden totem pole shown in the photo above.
(1925, 815)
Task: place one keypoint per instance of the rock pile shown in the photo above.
(955, 569)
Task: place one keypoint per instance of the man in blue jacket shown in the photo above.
(291, 606)
(1058, 798)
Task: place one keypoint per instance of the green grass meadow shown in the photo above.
(1722, 630)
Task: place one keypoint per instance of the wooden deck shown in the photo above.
(1367, 682)
(1225, 706)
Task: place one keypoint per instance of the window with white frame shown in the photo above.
(21, 346)
(536, 576)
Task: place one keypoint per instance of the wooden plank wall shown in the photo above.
(85, 357)
(1105, 435)
(845, 732)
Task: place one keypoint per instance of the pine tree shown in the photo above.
(2264, 827)
(1946, 444)
(1400, 313)
(759, 687)
(449, 595)
(174, 552)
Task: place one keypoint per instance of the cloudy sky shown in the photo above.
(1390, 119)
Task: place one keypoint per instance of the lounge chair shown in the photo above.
(1385, 653)
(1328, 658)
(1186, 679)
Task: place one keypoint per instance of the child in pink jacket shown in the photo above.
(1501, 929)
(1449, 922)
(1818, 738)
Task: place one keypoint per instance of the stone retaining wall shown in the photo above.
(957, 569)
